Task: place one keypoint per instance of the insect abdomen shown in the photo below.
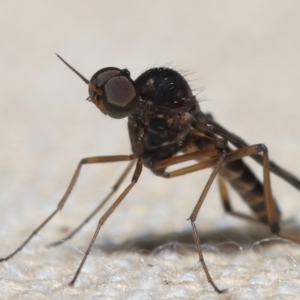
(242, 179)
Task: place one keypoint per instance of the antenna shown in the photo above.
(75, 71)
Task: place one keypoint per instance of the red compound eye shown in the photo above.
(116, 91)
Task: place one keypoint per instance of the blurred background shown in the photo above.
(242, 60)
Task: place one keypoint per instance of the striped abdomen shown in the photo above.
(242, 179)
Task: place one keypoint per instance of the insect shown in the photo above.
(166, 127)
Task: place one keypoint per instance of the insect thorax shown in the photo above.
(161, 125)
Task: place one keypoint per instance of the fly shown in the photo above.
(166, 127)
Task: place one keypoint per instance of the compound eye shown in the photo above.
(100, 78)
(114, 92)
(120, 97)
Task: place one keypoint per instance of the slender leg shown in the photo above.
(193, 218)
(187, 157)
(273, 217)
(89, 160)
(91, 215)
(228, 209)
(135, 177)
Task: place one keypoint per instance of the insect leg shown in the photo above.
(89, 160)
(135, 177)
(216, 162)
(228, 209)
(273, 217)
(193, 218)
(272, 214)
(187, 157)
(91, 215)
